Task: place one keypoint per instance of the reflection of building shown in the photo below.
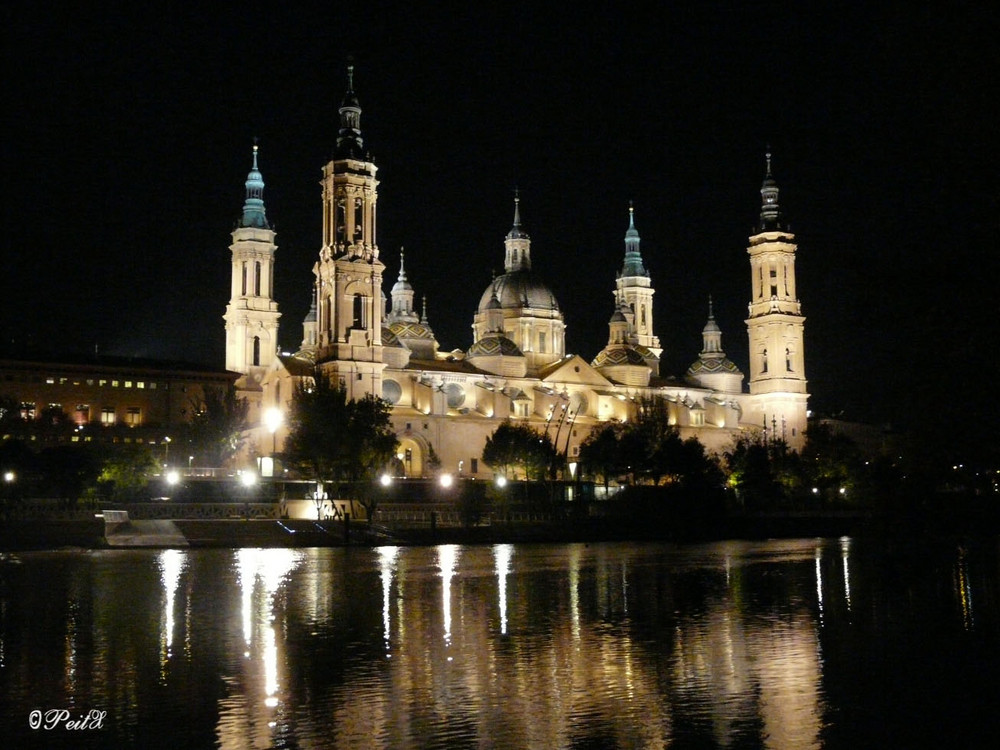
(517, 366)
(110, 391)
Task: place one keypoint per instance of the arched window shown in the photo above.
(256, 278)
(244, 278)
(359, 311)
(256, 351)
(788, 360)
(763, 361)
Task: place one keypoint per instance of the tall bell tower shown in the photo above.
(635, 292)
(252, 313)
(348, 283)
(775, 325)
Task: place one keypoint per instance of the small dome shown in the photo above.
(619, 355)
(518, 289)
(410, 331)
(712, 365)
(389, 338)
(618, 317)
(491, 346)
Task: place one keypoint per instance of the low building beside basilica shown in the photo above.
(446, 403)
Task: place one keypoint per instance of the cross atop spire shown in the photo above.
(633, 258)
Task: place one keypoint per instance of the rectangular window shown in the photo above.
(140, 384)
(114, 383)
(128, 383)
(102, 382)
(108, 415)
(82, 415)
(541, 341)
(474, 465)
(133, 416)
(27, 410)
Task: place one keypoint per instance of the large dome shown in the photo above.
(519, 289)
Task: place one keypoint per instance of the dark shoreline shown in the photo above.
(235, 533)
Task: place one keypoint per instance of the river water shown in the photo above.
(839, 643)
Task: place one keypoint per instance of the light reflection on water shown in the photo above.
(784, 644)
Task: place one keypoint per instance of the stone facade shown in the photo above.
(446, 403)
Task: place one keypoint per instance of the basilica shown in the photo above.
(446, 402)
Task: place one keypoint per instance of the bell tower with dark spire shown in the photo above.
(348, 285)
(252, 313)
(775, 324)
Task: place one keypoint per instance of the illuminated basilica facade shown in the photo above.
(446, 403)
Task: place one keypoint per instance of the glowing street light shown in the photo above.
(248, 478)
(173, 477)
(273, 419)
(501, 481)
(385, 480)
(9, 476)
(446, 480)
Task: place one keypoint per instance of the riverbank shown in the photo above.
(236, 533)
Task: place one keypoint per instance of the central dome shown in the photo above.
(519, 289)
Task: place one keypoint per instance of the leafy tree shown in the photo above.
(600, 452)
(831, 462)
(318, 434)
(125, 473)
(69, 469)
(750, 472)
(648, 441)
(332, 439)
(216, 429)
(513, 446)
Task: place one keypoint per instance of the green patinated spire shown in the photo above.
(253, 207)
(633, 258)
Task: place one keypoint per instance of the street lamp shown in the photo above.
(166, 450)
(273, 419)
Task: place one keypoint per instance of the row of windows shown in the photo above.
(132, 414)
(99, 382)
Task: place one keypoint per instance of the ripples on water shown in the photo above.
(790, 644)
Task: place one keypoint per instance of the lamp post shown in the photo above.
(273, 419)
(166, 451)
(248, 479)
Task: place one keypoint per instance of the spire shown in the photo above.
(770, 213)
(633, 258)
(402, 296)
(516, 232)
(423, 316)
(350, 144)
(517, 256)
(253, 207)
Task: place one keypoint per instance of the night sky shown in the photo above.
(128, 135)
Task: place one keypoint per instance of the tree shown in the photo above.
(332, 439)
(600, 452)
(216, 429)
(125, 473)
(513, 446)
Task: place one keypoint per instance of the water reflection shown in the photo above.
(777, 644)
(502, 553)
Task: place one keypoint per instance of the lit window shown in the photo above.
(133, 416)
(50, 381)
(108, 415)
(102, 382)
(128, 383)
(114, 383)
(140, 384)
(27, 410)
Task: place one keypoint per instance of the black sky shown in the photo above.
(127, 138)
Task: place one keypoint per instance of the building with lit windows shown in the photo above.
(447, 402)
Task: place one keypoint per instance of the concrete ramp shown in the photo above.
(144, 534)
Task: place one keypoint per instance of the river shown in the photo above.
(808, 643)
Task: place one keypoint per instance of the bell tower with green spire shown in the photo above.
(252, 313)
(775, 325)
(348, 273)
(634, 292)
